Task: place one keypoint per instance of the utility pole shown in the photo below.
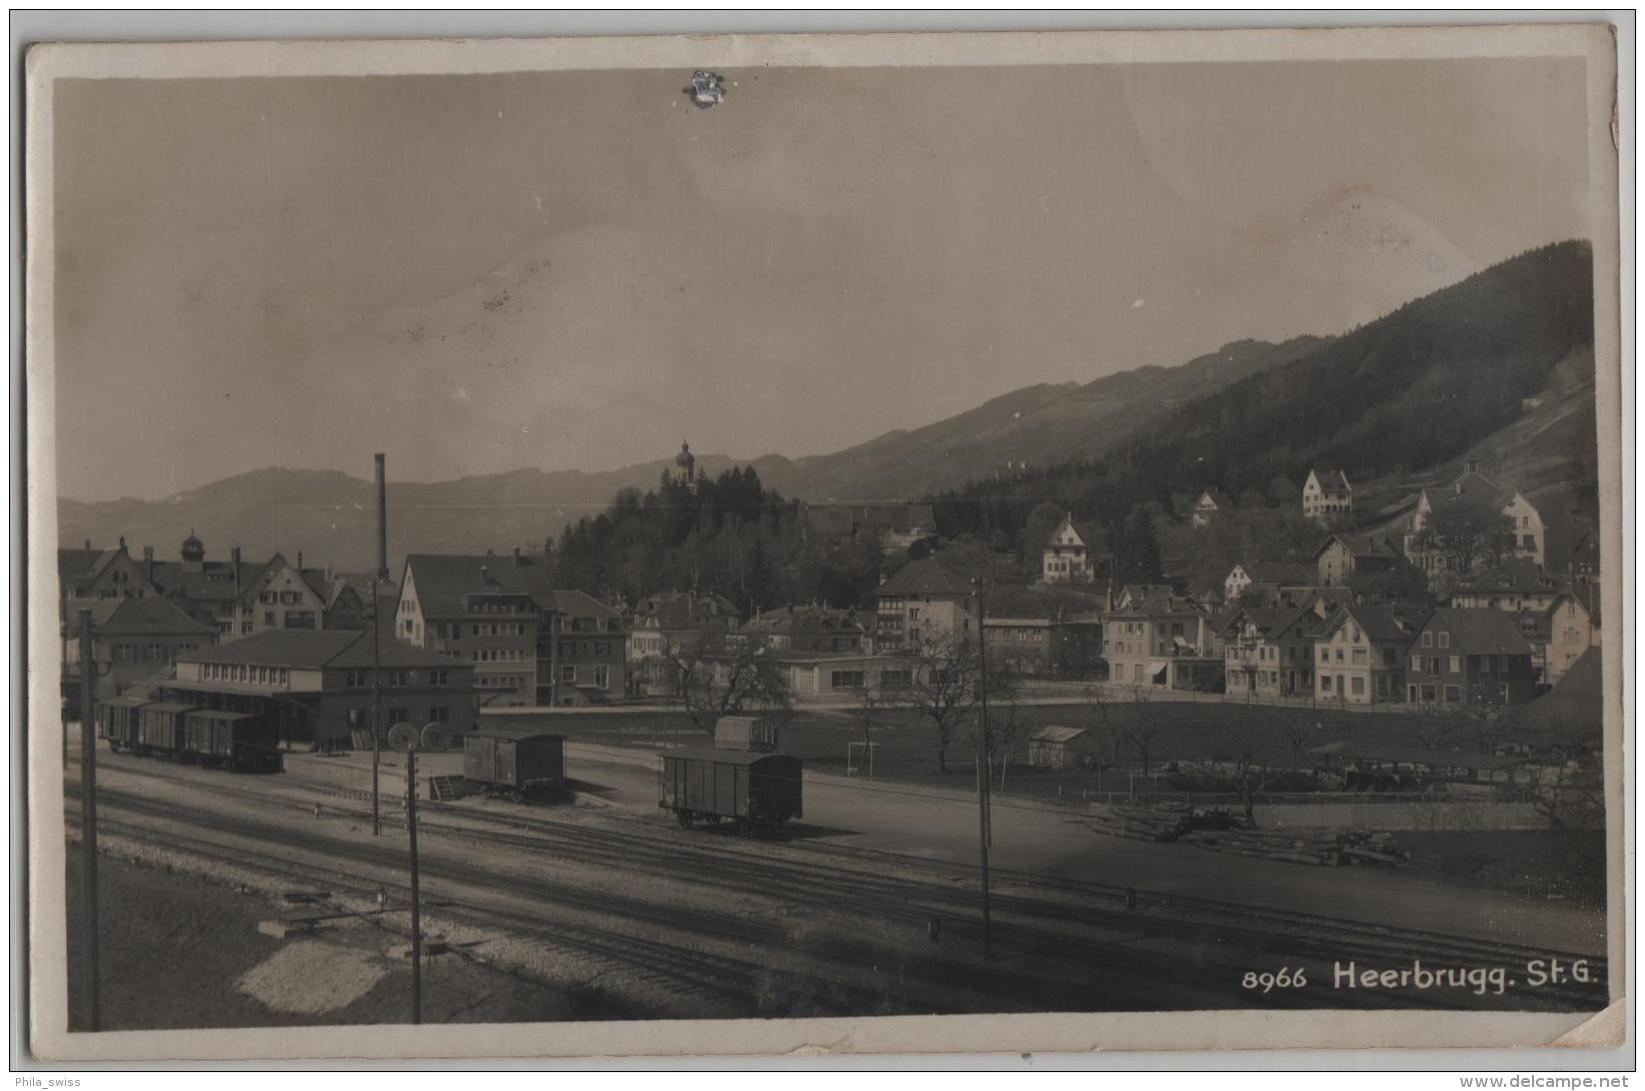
(416, 902)
(88, 819)
(376, 711)
(982, 764)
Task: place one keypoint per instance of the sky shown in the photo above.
(579, 270)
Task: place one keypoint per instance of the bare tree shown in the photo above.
(1249, 766)
(944, 686)
(1572, 798)
(715, 678)
(1140, 730)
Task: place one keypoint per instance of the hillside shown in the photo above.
(329, 514)
(1498, 367)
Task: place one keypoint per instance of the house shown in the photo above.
(1269, 651)
(347, 597)
(589, 644)
(88, 576)
(839, 676)
(1063, 748)
(1211, 503)
(1470, 657)
(317, 683)
(1161, 641)
(1020, 645)
(1359, 654)
(209, 590)
(922, 602)
(1559, 634)
(1268, 581)
(132, 640)
(1473, 494)
(482, 609)
(670, 622)
(896, 526)
(281, 596)
(806, 629)
(1326, 493)
(1342, 556)
(1067, 557)
(1514, 585)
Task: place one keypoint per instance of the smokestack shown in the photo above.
(382, 521)
(148, 563)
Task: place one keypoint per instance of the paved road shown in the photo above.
(1047, 841)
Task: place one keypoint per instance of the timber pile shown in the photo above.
(1322, 848)
(1162, 822)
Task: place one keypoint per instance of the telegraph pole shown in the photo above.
(88, 819)
(376, 711)
(416, 903)
(982, 764)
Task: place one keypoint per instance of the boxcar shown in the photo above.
(753, 790)
(160, 729)
(240, 741)
(514, 761)
(117, 721)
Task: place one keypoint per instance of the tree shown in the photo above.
(1469, 534)
(714, 678)
(1403, 583)
(1248, 757)
(1043, 522)
(944, 686)
(1140, 730)
(1136, 548)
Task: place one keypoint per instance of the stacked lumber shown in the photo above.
(1321, 848)
(1163, 822)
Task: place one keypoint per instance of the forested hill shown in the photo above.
(1406, 392)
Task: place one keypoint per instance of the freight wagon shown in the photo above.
(240, 741)
(160, 729)
(513, 761)
(117, 721)
(750, 789)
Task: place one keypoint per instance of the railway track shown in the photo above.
(1210, 926)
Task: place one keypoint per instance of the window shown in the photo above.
(1433, 664)
(602, 648)
(1453, 695)
(1325, 682)
(397, 716)
(1427, 640)
(602, 677)
(846, 679)
(1325, 655)
(1444, 640)
(1361, 657)
(1359, 685)
(439, 677)
(1428, 694)
(568, 673)
(439, 714)
(1502, 664)
(1456, 664)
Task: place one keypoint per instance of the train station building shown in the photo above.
(318, 684)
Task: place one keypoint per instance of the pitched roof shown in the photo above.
(72, 565)
(1285, 573)
(1573, 711)
(1332, 482)
(804, 619)
(849, 518)
(443, 580)
(313, 649)
(924, 577)
(1379, 622)
(1472, 489)
(1218, 498)
(1493, 632)
(1518, 575)
(1058, 734)
(576, 604)
(686, 609)
(140, 617)
(1360, 546)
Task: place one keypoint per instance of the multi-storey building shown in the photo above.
(132, 640)
(482, 609)
(1525, 535)
(1359, 655)
(1162, 641)
(922, 603)
(1269, 651)
(282, 596)
(319, 683)
(1343, 556)
(1068, 556)
(588, 641)
(1326, 493)
(672, 623)
(1470, 657)
(806, 629)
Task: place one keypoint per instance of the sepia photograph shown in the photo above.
(780, 535)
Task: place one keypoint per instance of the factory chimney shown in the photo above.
(382, 522)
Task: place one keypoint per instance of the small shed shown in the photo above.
(751, 733)
(1063, 748)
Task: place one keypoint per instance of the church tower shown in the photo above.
(686, 463)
